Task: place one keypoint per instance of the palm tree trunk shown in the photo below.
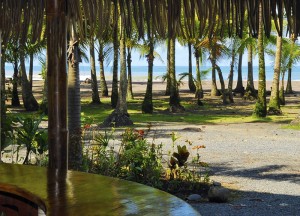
(129, 86)
(120, 116)
(103, 84)
(223, 90)
(274, 103)
(30, 70)
(15, 101)
(199, 89)
(261, 104)
(74, 106)
(29, 100)
(147, 106)
(239, 85)
(114, 91)
(230, 77)
(250, 90)
(192, 86)
(57, 88)
(94, 82)
(168, 69)
(214, 89)
(44, 104)
(289, 89)
(281, 92)
(174, 102)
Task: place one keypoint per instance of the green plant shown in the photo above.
(27, 133)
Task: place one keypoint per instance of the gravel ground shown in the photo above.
(259, 162)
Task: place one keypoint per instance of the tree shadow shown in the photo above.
(250, 203)
(270, 172)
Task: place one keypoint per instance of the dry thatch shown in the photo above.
(167, 18)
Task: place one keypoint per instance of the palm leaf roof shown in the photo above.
(20, 17)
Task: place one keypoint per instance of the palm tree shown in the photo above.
(168, 69)
(33, 50)
(239, 85)
(192, 85)
(29, 100)
(250, 44)
(147, 105)
(260, 109)
(114, 91)
(174, 102)
(120, 117)
(94, 82)
(199, 90)
(294, 56)
(131, 43)
(103, 53)
(12, 55)
(274, 103)
(74, 107)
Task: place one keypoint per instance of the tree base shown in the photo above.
(176, 108)
(296, 121)
(274, 111)
(117, 120)
(250, 95)
(199, 102)
(239, 91)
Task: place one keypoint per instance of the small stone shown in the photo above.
(194, 197)
(216, 183)
(218, 194)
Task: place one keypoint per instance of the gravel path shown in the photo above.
(259, 162)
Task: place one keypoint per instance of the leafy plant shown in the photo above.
(28, 134)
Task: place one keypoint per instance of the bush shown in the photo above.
(135, 159)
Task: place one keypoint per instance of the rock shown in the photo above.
(194, 197)
(216, 183)
(218, 194)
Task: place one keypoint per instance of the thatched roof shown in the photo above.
(166, 17)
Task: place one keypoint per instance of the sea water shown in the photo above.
(139, 73)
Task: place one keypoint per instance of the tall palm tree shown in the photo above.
(260, 109)
(147, 105)
(199, 90)
(174, 102)
(12, 55)
(94, 82)
(192, 85)
(74, 106)
(274, 103)
(239, 84)
(103, 53)
(293, 57)
(120, 117)
(29, 100)
(114, 91)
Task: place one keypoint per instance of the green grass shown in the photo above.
(211, 113)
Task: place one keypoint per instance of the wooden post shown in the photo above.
(57, 84)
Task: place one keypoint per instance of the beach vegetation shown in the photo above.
(133, 157)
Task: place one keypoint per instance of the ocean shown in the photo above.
(139, 73)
